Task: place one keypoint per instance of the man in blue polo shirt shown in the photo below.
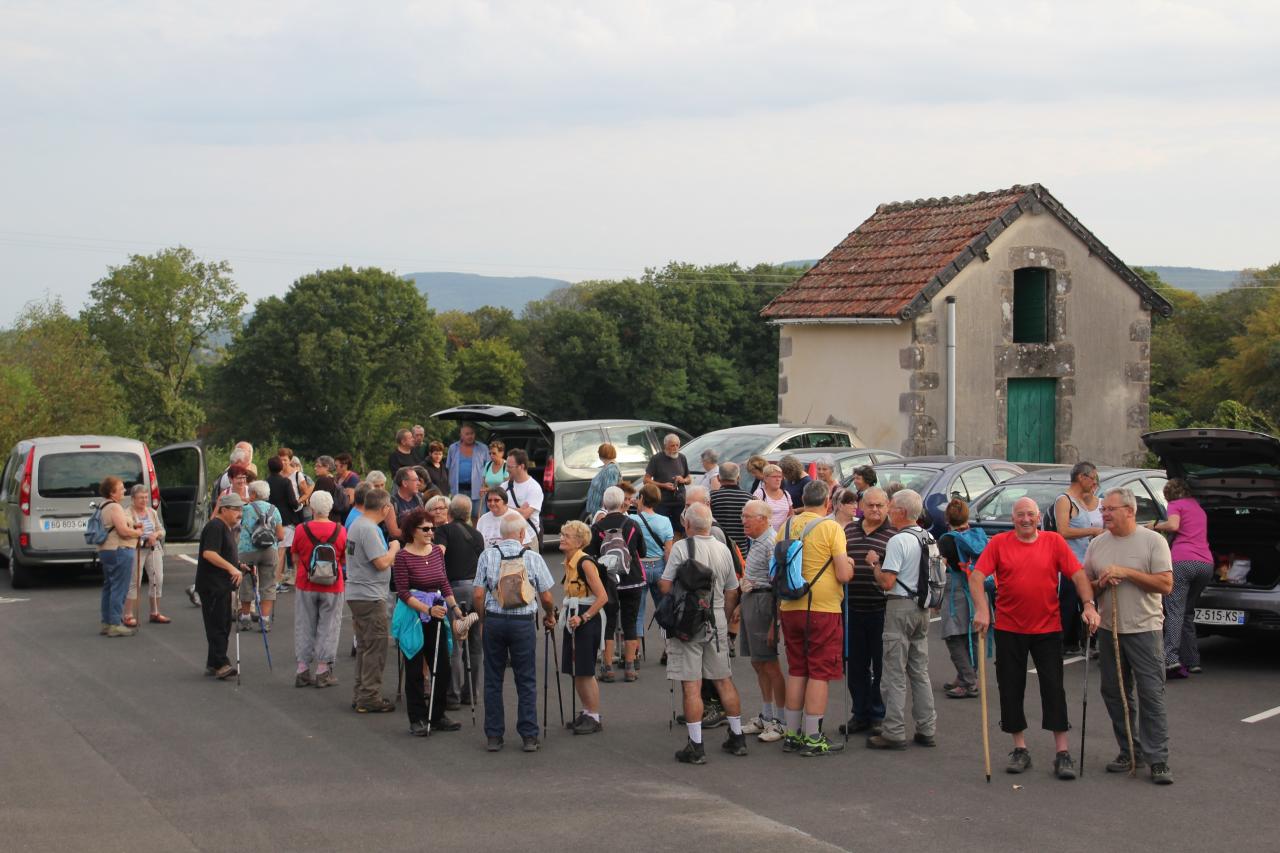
(512, 633)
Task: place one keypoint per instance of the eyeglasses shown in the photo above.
(1106, 508)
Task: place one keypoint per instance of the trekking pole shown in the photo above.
(1124, 694)
(573, 667)
(844, 661)
(982, 690)
(257, 597)
(1084, 710)
(435, 661)
(399, 676)
(546, 678)
(236, 628)
(471, 682)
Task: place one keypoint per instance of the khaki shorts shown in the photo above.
(264, 562)
(700, 659)
(758, 614)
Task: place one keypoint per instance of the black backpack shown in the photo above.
(262, 535)
(684, 611)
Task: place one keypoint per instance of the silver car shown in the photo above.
(50, 486)
(738, 444)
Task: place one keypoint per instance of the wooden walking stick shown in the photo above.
(982, 690)
(1124, 694)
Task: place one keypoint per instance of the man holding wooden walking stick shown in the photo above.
(1131, 569)
(1027, 562)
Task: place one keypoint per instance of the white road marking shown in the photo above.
(1075, 659)
(190, 559)
(1257, 718)
(4, 600)
(936, 619)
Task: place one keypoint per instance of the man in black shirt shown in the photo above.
(217, 575)
(403, 456)
(670, 471)
(463, 546)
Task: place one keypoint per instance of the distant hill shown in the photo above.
(461, 291)
(1195, 279)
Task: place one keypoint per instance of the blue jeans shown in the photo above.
(652, 574)
(515, 638)
(866, 664)
(117, 574)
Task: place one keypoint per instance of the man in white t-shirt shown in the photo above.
(524, 493)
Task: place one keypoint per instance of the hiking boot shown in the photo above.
(1176, 672)
(210, 672)
(819, 745)
(713, 716)
(377, 706)
(960, 691)
(735, 744)
(120, 631)
(586, 725)
(753, 726)
(606, 675)
(193, 595)
(418, 729)
(855, 726)
(494, 744)
(771, 733)
(881, 742)
(224, 672)
(693, 753)
(265, 624)
(326, 678)
(244, 623)
(923, 740)
(1195, 669)
(303, 679)
(1161, 774)
(1019, 761)
(531, 744)
(444, 724)
(103, 630)
(1121, 763)
(283, 587)
(630, 674)
(1063, 766)
(792, 741)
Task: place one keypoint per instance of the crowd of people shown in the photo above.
(441, 556)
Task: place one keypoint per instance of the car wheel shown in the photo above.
(20, 575)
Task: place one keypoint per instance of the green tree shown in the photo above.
(490, 370)
(157, 316)
(54, 379)
(339, 363)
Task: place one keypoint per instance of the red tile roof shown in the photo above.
(906, 252)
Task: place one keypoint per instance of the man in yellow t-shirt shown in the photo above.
(813, 627)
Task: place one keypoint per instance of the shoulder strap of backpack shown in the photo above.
(645, 522)
(334, 536)
(922, 573)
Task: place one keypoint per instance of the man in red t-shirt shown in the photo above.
(1027, 562)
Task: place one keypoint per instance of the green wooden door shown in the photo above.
(1030, 420)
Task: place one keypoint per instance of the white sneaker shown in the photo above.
(753, 726)
(772, 732)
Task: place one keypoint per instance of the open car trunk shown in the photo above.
(1243, 533)
(516, 427)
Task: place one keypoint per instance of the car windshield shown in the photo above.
(997, 504)
(79, 475)
(916, 479)
(732, 447)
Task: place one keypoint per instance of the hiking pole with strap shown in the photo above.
(1124, 694)
(399, 677)
(236, 628)
(257, 597)
(982, 690)
(573, 665)
(435, 663)
(546, 678)
(471, 680)
(1084, 710)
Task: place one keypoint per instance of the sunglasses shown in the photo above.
(426, 527)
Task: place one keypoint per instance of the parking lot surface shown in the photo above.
(123, 744)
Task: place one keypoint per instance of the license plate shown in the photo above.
(50, 524)
(1213, 616)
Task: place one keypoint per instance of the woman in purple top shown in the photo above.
(1192, 572)
(419, 566)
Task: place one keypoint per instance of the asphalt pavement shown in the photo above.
(123, 744)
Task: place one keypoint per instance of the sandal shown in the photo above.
(160, 618)
(129, 622)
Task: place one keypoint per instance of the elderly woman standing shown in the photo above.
(584, 598)
(1079, 507)
(261, 558)
(116, 555)
(495, 471)
(608, 475)
(150, 557)
(709, 479)
(1192, 572)
(778, 498)
(755, 467)
(825, 468)
(317, 608)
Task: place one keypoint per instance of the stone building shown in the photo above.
(1050, 356)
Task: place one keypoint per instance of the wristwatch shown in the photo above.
(1091, 601)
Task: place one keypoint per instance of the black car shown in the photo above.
(993, 512)
(563, 454)
(1235, 476)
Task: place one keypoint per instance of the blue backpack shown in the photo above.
(95, 532)
(787, 564)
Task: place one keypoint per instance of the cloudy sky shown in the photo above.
(593, 139)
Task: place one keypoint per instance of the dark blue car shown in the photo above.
(994, 511)
(938, 479)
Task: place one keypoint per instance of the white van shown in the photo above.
(50, 486)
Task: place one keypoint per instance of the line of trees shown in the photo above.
(347, 356)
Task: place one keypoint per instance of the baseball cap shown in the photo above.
(230, 499)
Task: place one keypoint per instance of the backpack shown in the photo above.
(95, 531)
(933, 573)
(615, 553)
(787, 564)
(1049, 521)
(684, 611)
(341, 506)
(323, 569)
(261, 535)
(513, 589)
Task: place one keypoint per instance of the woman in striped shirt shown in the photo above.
(419, 567)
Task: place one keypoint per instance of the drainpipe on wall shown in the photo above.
(951, 376)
